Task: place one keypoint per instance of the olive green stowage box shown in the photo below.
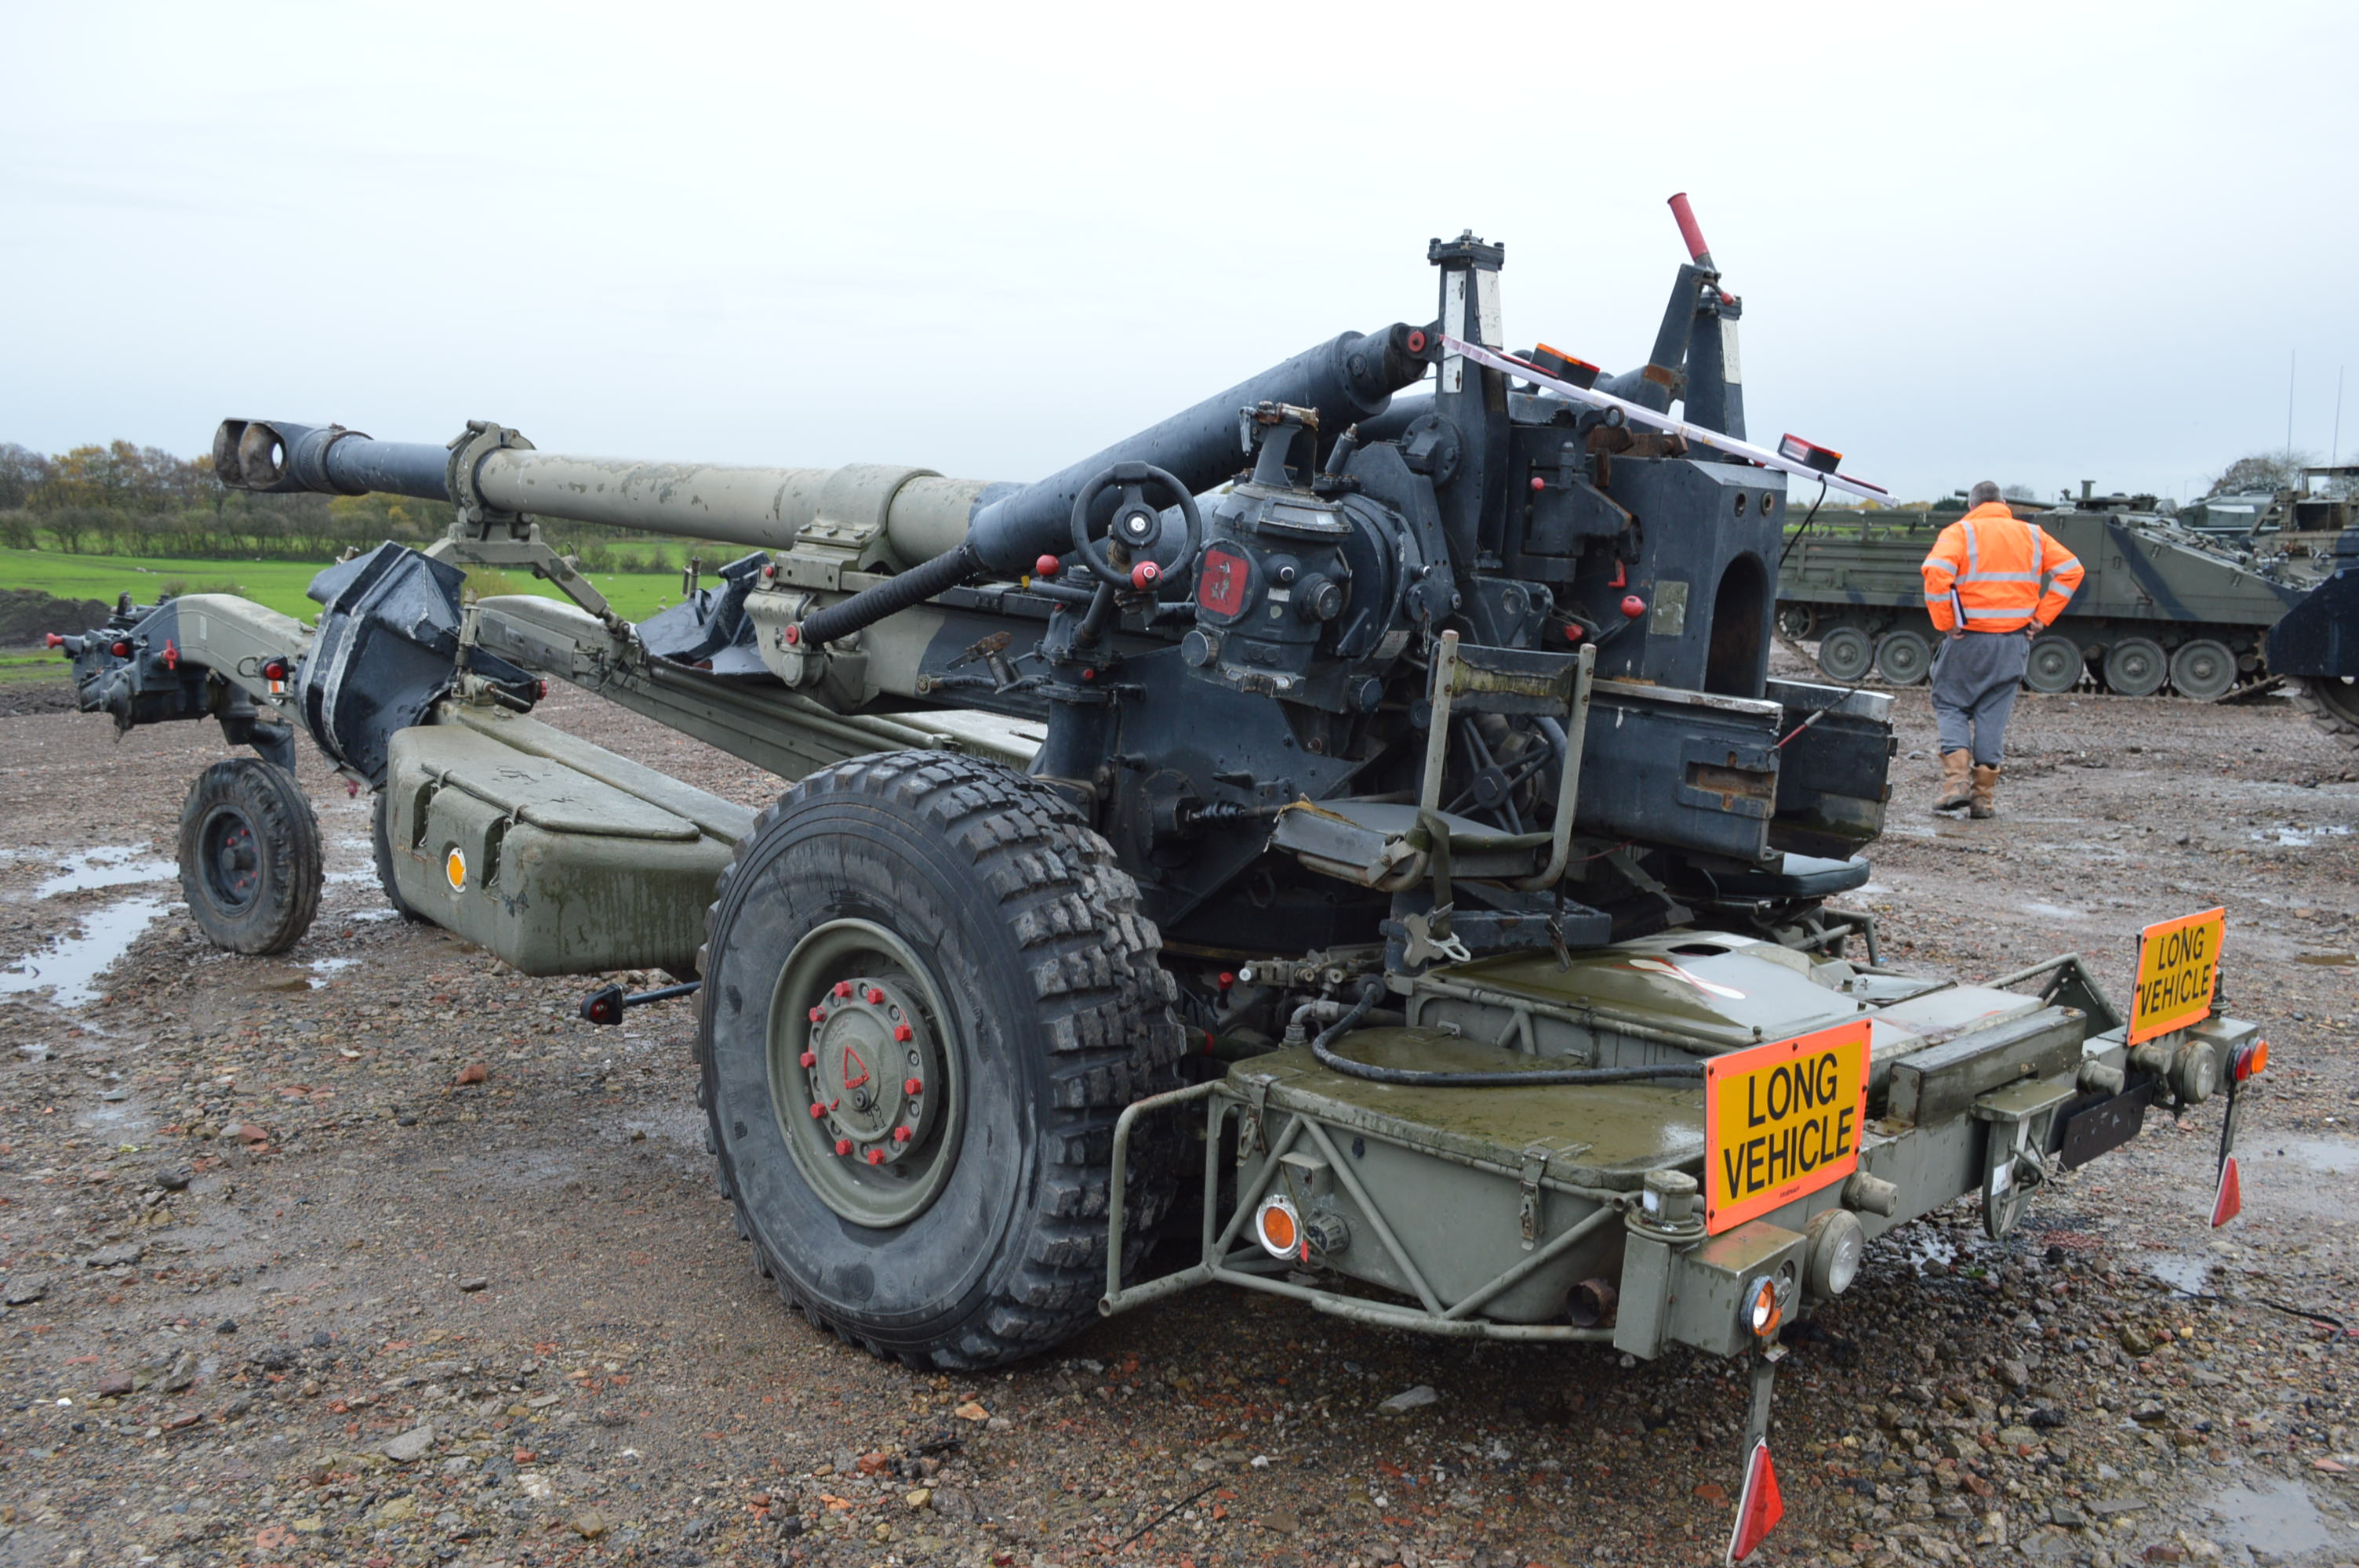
(556, 855)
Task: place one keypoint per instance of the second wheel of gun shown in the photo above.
(927, 994)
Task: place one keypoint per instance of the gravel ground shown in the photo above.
(374, 1255)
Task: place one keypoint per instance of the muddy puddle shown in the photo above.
(2273, 1515)
(70, 967)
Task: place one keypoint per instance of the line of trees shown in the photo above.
(122, 500)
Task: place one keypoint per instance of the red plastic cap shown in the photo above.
(1573, 634)
(1539, 484)
(1690, 230)
(809, 1059)
(843, 1147)
(1227, 979)
(843, 988)
(1416, 339)
(900, 1135)
(51, 640)
(1632, 606)
(1047, 565)
(877, 1156)
(903, 1032)
(819, 1109)
(913, 1085)
(1145, 575)
(120, 649)
(876, 997)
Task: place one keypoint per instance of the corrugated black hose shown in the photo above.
(1372, 991)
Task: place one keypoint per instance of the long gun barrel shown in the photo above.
(991, 529)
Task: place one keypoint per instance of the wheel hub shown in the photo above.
(870, 1069)
(236, 859)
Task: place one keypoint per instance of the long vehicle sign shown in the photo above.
(1780, 1120)
(2178, 970)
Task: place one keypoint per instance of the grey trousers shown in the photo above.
(1976, 678)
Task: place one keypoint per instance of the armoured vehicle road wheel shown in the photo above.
(927, 994)
(2136, 667)
(381, 852)
(2054, 664)
(2332, 703)
(2202, 669)
(1903, 657)
(1796, 621)
(1844, 654)
(249, 853)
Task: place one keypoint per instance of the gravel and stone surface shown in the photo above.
(375, 1254)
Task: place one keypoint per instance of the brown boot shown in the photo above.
(1985, 793)
(1957, 781)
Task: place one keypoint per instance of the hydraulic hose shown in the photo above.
(1372, 991)
(895, 594)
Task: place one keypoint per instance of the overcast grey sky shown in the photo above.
(2036, 243)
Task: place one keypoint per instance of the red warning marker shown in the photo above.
(2230, 1200)
(1759, 1508)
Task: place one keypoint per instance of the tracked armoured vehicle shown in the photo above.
(1340, 842)
(2162, 606)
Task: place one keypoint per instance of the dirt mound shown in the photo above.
(26, 613)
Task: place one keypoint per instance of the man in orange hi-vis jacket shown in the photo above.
(1992, 584)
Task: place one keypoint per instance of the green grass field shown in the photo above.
(278, 584)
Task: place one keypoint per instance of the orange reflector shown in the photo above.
(1281, 1233)
(1759, 1508)
(454, 869)
(1765, 1316)
(2230, 1200)
(2253, 1060)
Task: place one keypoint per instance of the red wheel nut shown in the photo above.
(843, 988)
(877, 1156)
(1634, 607)
(809, 1059)
(843, 1147)
(903, 1032)
(1047, 565)
(876, 997)
(819, 1015)
(818, 1111)
(915, 1086)
(900, 1135)
(1145, 575)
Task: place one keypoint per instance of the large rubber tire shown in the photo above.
(251, 866)
(1037, 1000)
(1845, 654)
(2203, 670)
(381, 853)
(2134, 667)
(2332, 704)
(2054, 666)
(1903, 658)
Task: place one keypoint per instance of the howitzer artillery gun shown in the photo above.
(1391, 776)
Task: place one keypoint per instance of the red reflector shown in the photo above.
(274, 670)
(2230, 1200)
(1809, 454)
(1759, 1508)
